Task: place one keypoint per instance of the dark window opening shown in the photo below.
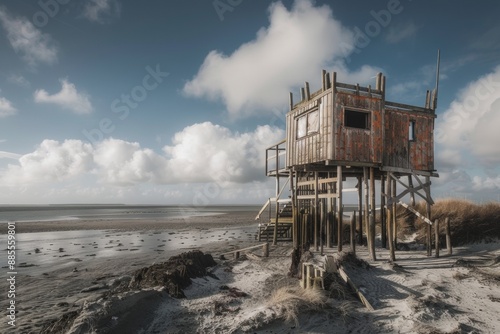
(411, 131)
(356, 119)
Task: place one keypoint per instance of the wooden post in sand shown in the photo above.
(329, 208)
(360, 209)
(371, 242)
(382, 212)
(436, 236)
(321, 226)
(265, 249)
(448, 235)
(316, 211)
(308, 276)
(367, 203)
(429, 231)
(390, 212)
(353, 233)
(340, 213)
(394, 216)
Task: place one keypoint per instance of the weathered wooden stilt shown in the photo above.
(329, 217)
(412, 195)
(429, 237)
(353, 233)
(265, 249)
(360, 209)
(367, 203)
(372, 216)
(294, 213)
(448, 235)
(390, 211)
(340, 233)
(394, 216)
(316, 212)
(382, 212)
(388, 189)
(436, 236)
(321, 226)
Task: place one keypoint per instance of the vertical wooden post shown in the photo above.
(389, 218)
(372, 216)
(429, 237)
(316, 205)
(329, 216)
(265, 249)
(304, 229)
(429, 227)
(436, 236)
(367, 210)
(334, 219)
(388, 189)
(323, 80)
(275, 234)
(294, 214)
(412, 195)
(340, 234)
(382, 212)
(448, 235)
(322, 227)
(360, 209)
(308, 276)
(394, 216)
(353, 233)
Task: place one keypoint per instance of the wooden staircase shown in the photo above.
(285, 223)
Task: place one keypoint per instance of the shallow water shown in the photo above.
(65, 248)
(92, 212)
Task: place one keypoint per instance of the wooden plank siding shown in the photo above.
(312, 147)
(385, 142)
(358, 145)
(399, 151)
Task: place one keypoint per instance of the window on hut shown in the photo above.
(308, 124)
(411, 131)
(357, 119)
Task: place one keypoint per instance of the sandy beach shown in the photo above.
(69, 277)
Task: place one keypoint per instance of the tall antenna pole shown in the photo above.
(434, 104)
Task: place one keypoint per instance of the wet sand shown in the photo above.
(57, 260)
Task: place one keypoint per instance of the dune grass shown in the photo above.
(469, 222)
(289, 302)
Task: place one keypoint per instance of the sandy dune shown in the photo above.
(452, 294)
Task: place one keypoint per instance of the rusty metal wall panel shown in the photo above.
(398, 150)
(422, 150)
(358, 145)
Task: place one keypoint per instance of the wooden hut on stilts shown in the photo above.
(342, 132)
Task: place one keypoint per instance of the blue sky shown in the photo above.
(175, 101)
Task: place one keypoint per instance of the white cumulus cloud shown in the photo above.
(33, 45)
(68, 98)
(204, 152)
(293, 48)
(467, 136)
(6, 108)
(199, 153)
(471, 121)
(51, 161)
